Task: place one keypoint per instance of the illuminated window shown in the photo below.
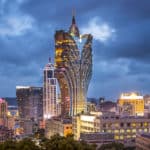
(128, 130)
(134, 130)
(140, 130)
(145, 130)
(109, 131)
(116, 131)
(128, 136)
(121, 131)
(116, 137)
(121, 137)
(133, 124)
(145, 124)
(117, 125)
(133, 136)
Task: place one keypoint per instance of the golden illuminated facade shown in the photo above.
(73, 62)
(131, 104)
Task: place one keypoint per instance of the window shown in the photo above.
(128, 124)
(121, 124)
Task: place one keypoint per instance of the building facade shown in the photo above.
(30, 105)
(143, 141)
(73, 61)
(50, 104)
(97, 138)
(3, 112)
(123, 128)
(131, 104)
(60, 126)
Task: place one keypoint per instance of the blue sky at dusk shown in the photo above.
(121, 42)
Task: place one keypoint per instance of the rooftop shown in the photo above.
(146, 135)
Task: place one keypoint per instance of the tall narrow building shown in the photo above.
(49, 92)
(73, 61)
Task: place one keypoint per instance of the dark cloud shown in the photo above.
(27, 30)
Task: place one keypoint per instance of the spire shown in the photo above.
(73, 30)
(73, 20)
(73, 17)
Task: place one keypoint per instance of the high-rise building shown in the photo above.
(3, 108)
(73, 61)
(3, 112)
(30, 106)
(131, 104)
(29, 101)
(49, 92)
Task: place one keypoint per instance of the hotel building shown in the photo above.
(131, 104)
(73, 62)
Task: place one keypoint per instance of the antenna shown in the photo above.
(73, 12)
(49, 59)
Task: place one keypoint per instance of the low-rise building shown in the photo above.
(53, 126)
(143, 141)
(97, 138)
(5, 133)
(131, 104)
(123, 128)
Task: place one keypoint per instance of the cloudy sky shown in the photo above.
(121, 45)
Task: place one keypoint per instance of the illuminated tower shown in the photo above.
(49, 92)
(73, 61)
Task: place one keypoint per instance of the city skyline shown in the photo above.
(120, 45)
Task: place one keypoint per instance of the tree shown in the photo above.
(27, 144)
(8, 145)
(58, 142)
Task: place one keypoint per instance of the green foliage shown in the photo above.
(25, 144)
(8, 145)
(65, 143)
(58, 142)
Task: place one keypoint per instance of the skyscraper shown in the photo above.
(3, 112)
(73, 61)
(49, 92)
(29, 101)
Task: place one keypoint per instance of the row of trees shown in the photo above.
(57, 143)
